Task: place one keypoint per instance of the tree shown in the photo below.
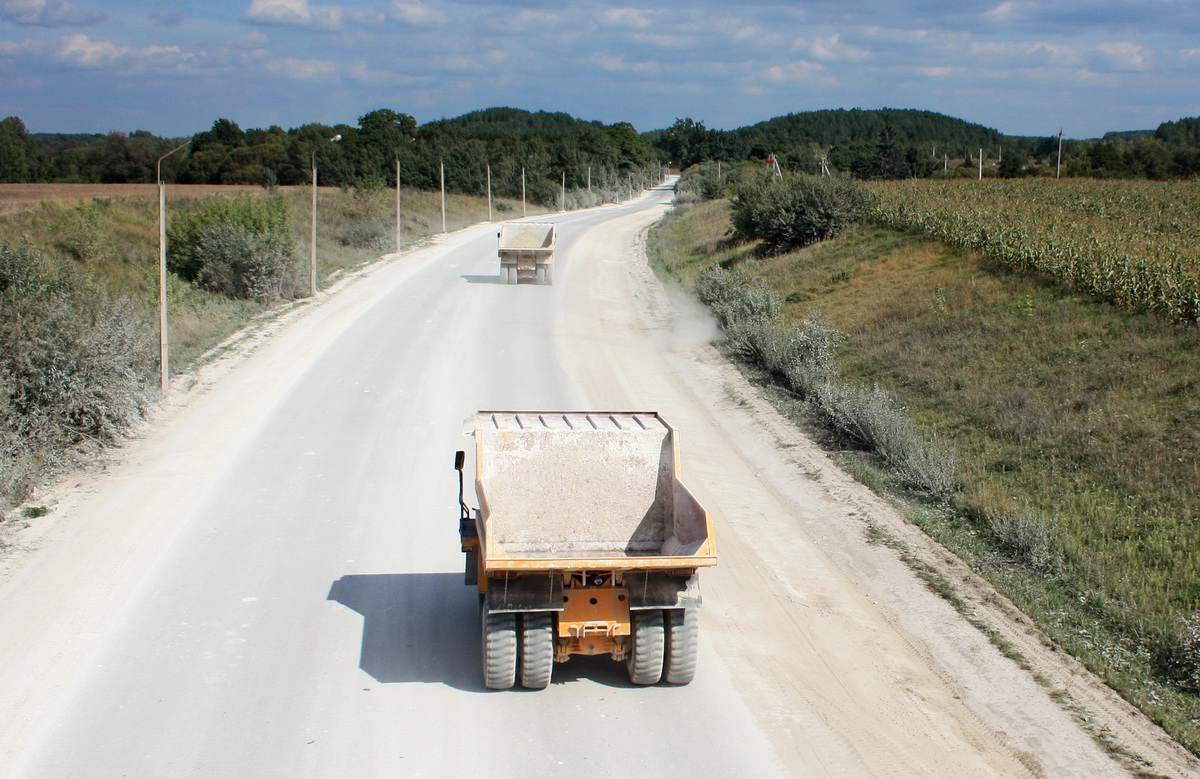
(20, 159)
(1013, 164)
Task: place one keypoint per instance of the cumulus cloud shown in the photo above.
(82, 51)
(832, 49)
(1124, 56)
(48, 13)
(795, 71)
(611, 63)
(293, 13)
(628, 17)
(1010, 11)
(304, 70)
(301, 13)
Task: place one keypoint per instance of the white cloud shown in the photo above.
(48, 13)
(612, 63)
(1125, 56)
(1009, 11)
(417, 14)
(82, 51)
(796, 71)
(832, 49)
(1024, 53)
(304, 70)
(301, 13)
(628, 17)
(293, 13)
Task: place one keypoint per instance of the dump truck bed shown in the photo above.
(535, 237)
(576, 490)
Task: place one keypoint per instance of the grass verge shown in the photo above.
(1076, 427)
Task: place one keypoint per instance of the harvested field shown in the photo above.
(23, 197)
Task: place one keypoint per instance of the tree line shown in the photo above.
(555, 149)
(902, 143)
(538, 153)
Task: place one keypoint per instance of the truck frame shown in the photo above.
(586, 542)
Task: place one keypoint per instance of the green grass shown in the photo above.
(1068, 416)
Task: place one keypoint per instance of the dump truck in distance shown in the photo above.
(585, 542)
(526, 252)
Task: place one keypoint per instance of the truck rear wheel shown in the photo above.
(645, 663)
(499, 648)
(537, 649)
(682, 631)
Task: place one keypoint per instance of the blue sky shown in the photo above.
(1023, 67)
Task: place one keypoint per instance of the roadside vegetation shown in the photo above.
(79, 296)
(1058, 427)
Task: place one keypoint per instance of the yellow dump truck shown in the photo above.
(585, 542)
(526, 252)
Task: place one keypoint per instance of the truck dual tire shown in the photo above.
(545, 274)
(537, 649)
(645, 661)
(499, 648)
(517, 643)
(682, 633)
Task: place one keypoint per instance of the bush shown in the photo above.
(1181, 656)
(1028, 539)
(75, 367)
(240, 264)
(797, 211)
(366, 235)
(263, 223)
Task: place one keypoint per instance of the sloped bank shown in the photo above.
(1073, 468)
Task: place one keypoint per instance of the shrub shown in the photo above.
(240, 264)
(266, 218)
(1181, 656)
(75, 367)
(797, 211)
(1029, 539)
(365, 235)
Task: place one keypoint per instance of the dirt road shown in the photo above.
(266, 581)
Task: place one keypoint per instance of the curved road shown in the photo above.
(267, 582)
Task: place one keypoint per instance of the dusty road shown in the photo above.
(266, 582)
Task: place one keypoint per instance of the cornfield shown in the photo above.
(1133, 244)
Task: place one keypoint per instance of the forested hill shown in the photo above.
(492, 122)
(839, 127)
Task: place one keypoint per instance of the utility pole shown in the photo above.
(981, 164)
(1058, 170)
(442, 175)
(489, 179)
(163, 363)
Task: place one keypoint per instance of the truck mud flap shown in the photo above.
(528, 592)
(662, 591)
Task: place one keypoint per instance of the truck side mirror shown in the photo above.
(459, 458)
